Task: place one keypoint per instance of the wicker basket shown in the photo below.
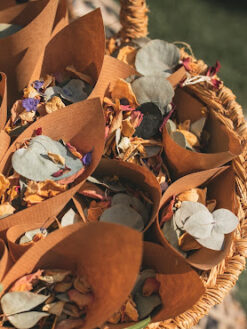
(223, 277)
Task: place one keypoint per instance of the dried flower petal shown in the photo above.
(30, 104)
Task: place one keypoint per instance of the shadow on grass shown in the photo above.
(233, 6)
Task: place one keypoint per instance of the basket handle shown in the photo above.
(134, 19)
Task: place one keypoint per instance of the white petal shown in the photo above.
(214, 242)
(226, 221)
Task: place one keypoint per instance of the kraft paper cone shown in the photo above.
(23, 49)
(108, 255)
(4, 143)
(81, 124)
(177, 281)
(176, 77)
(5, 261)
(17, 231)
(81, 43)
(141, 178)
(112, 70)
(220, 185)
(224, 144)
(3, 95)
(7, 3)
(62, 17)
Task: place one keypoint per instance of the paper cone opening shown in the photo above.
(81, 124)
(176, 278)
(4, 144)
(223, 146)
(221, 186)
(139, 177)
(25, 46)
(81, 43)
(108, 255)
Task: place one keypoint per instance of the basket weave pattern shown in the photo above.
(222, 278)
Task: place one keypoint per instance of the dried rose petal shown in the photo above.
(81, 300)
(212, 70)
(150, 286)
(38, 131)
(186, 63)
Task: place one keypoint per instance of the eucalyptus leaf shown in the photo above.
(8, 29)
(197, 127)
(171, 233)
(146, 304)
(226, 221)
(179, 138)
(156, 56)
(33, 162)
(118, 138)
(26, 320)
(133, 202)
(143, 275)
(200, 224)
(155, 89)
(51, 92)
(141, 324)
(70, 218)
(171, 126)
(74, 91)
(152, 150)
(20, 301)
(187, 209)
(215, 241)
(152, 119)
(140, 42)
(124, 215)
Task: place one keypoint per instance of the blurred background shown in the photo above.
(216, 30)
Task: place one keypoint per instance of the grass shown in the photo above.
(216, 30)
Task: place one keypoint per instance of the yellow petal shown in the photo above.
(122, 89)
(186, 242)
(56, 158)
(194, 195)
(127, 55)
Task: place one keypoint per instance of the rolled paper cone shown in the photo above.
(3, 95)
(14, 233)
(5, 260)
(7, 3)
(81, 44)
(108, 255)
(23, 49)
(81, 124)
(176, 279)
(139, 177)
(176, 77)
(224, 143)
(4, 143)
(220, 186)
(112, 70)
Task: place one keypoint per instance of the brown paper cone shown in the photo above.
(7, 3)
(17, 231)
(3, 95)
(177, 77)
(81, 43)
(108, 255)
(61, 18)
(139, 177)
(4, 143)
(5, 261)
(23, 49)
(81, 124)
(112, 70)
(224, 144)
(221, 186)
(177, 281)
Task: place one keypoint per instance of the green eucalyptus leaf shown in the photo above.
(146, 304)
(214, 242)
(171, 126)
(157, 56)
(171, 233)
(51, 92)
(141, 42)
(8, 29)
(123, 215)
(117, 187)
(226, 221)
(20, 301)
(200, 224)
(74, 91)
(197, 127)
(70, 217)
(33, 162)
(26, 320)
(153, 89)
(141, 324)
(152, 150)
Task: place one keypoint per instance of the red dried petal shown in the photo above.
(167, 117)
(58, 173)
(212, 70)
(186, 63)
(126, 108)
(150, 286)
(168, 212)
(38, 131)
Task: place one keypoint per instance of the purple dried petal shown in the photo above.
(30, 104)
(37, 84)
(87, 159)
